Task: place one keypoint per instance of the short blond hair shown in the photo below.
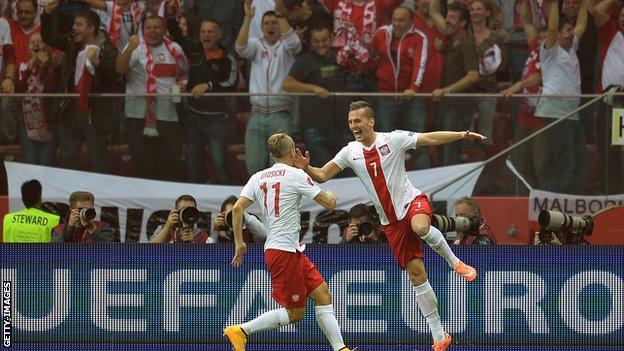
(80, 196)
(280, 145)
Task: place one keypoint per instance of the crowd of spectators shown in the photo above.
(565, 47)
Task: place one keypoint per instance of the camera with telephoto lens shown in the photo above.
(87, 213)
(553, 221)
(557, 221)
(365, 228)
(189, 216)
(465, 225)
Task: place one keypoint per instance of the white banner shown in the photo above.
(140, 199)
(573, 205)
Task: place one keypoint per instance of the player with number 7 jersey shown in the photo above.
(278, 191)
(378, 159)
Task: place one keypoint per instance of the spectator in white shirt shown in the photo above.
(561, 75)
(271, 58)
(153, 65)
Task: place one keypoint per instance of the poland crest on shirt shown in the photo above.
(381, 168)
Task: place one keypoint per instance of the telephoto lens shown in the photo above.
(189, 216)
(87, 213)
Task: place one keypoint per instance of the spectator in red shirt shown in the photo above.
(435, 46)
(36, 125)
(355, 24)
(79, 228)
(23, 28)
(402, 64)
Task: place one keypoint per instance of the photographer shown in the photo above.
(557, 228)
(253, 229)
(468, 207)
(81, 227)
(176, 231)
(363, 226)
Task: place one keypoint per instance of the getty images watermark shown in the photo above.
(6, 314)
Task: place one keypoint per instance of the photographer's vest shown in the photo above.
(30, 225)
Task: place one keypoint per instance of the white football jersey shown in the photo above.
(381, 168)
(278, 191)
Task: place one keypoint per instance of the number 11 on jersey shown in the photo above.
(265, 190)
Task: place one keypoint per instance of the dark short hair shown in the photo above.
(31, 193)
(185, 198)
(464, 14)
(359, 210)
(291, 4)
(213, 21)
(410, 11)
(33, 2)
(230, 200)
(92, 19)
(268, 13)
(151, 17)
(320, 28)
(361, 104)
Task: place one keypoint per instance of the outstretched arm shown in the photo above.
(237, 223)
(320, 175)
(439, 138)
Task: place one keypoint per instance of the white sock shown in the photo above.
(329, 325)
(268, 320)
(435, 239)
(428, 305)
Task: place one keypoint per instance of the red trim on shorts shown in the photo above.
(403, 242)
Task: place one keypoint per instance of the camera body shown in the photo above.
(365, 228)
(464, 225)
(189, 216)
(87, 213)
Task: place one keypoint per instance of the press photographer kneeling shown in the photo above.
(363, 226)
(81, 225)
(558, 228)
(470, 227)
(181, 225)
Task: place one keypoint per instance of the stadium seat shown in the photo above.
(120, 160)
(84, 161)
(236, 163)
(503, 104)
(501, 127)
(242, 118)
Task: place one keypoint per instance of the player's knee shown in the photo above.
(421, 229)
(418, 278)
(295, 315)
(324, 299)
